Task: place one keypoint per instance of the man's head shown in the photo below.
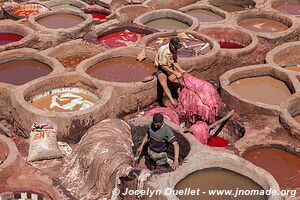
(158, 120)
(175, 44)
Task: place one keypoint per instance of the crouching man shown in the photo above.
(160, 136)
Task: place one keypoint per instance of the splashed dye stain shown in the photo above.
(264, 89)
(19, 72)
(262, 25)
(6, 38)
(120, 39)
(61, 20)
(284, 166)
(214, 178)
(121, 69)
(70, 62)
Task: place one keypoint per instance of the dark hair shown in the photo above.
(157, 118)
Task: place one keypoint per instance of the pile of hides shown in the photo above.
(103, 155)
(198, 98)
(168, 113)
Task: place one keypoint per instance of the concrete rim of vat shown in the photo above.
(72, 48)
(110, 15)
(212, 9)
(78, 28)
(27, 53)
(156, 2)
(123, 13)
(168, 13)
(100, 32)
(290, 109)
(283, 53)
(288, 21)
(240, 3)
(211, 158)
(8, 26)
(74, 4)
(13, 159)
(243, 105)
(69, 125)
(130, 95)
(250, 38)
(270, 4)
(194, 62)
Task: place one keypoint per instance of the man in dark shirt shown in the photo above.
(159, 136)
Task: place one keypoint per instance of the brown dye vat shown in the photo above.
(292, 7)
(297, 118)
(205, 15)
(284, 166)
(295, 68)
(186, 50)
(263, 25)
(264, 89)
(121, 69)
(18, 72)
(70, 62)
(231, 8)
(218, 179)
(61, 20)
(167, 23)
(64, 102)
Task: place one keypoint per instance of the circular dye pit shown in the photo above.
(119, 39)
(167, 23)
(6, 38)
(284, 166)
(191, 46)
(264, 89)
(18, 72)
(289, 7)
(214, 178)
(26, 10)
(99, 16)
(262, 25)
(216, 141)
(121, 69)
(70, 62)
(204, 15)
(65, 100)
(295, 68)
(230, 45)
(60, 20)
(23, 195)
(232, 8)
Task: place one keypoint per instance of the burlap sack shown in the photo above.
(43, 143)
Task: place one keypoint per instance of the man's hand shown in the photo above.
(178, 74)
(139, 151)
(174, 165)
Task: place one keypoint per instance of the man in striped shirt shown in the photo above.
(167, 66)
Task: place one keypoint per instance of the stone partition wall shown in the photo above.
(243, 4)
(243, 105)
(285, 55)
(128, 13)
(192, 22)
(290, 110)
(130, 96)
(70, 125)
(66, 4)
(9, 26)
(195, 63)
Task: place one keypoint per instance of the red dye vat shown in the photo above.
(230, 45)
(120, 39)
(216, 141)
(6, 38)
(98, 16)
